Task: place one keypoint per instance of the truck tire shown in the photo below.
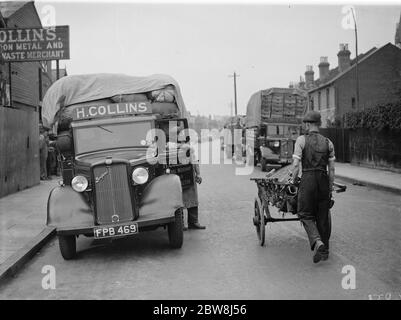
(68, 246)
(176, 231)
(263, 164)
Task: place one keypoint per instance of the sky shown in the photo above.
(200, 45)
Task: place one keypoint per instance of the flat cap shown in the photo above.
(312, 116)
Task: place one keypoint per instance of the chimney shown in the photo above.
(344, 61)
(301, 84)
(397, 40)
(323, 68)
(309, 77)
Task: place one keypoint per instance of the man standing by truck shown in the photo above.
(315, 154)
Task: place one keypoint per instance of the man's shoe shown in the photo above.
(325, 254)
(184, 228)
(320, 252)
(196, 226)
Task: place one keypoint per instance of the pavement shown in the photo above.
(23, 226)
(23, 214)
(373, 178)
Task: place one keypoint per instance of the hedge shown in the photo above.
(381, 117)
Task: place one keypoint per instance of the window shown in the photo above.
(327, 98)
(319, 100)
(353, 103)
(311, 103)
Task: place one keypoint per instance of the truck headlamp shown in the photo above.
(140, 175)
(79, 183)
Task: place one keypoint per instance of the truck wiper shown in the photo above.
(105, 129)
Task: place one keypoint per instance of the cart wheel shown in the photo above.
(68, 246)
(175, 231)
(263, 164)
(259, 222)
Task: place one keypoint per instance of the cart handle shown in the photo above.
(341, 187)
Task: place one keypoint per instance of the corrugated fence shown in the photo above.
(19, 150)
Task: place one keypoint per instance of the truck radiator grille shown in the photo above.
(112, 194)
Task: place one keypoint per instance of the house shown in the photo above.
(26, 83)
(29, 80)
(334, 93)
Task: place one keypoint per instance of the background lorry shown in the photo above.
(274, 116)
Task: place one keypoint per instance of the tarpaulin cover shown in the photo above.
(74, 89)
(253, 110)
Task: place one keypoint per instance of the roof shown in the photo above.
(8, 8)
(334, 74)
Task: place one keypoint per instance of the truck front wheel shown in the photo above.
(175, 231)
(68, 246)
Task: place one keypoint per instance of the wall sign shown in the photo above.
(35, 44)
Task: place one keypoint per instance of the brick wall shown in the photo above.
(327, 104)
(379, 81)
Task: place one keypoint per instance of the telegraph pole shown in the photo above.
(235, 90)
(356, 59)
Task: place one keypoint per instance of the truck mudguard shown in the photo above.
(163, 196)
(68, 208)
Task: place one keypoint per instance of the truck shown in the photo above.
(273, 123)
(119, 176)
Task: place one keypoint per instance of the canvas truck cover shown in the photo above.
(76, 89)
(253, 111)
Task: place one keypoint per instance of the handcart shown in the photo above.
(276, 190)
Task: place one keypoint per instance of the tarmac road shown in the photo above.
(225, 261)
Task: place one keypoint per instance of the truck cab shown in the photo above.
(118, 176)
(276, 143)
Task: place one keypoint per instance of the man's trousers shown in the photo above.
(313, 206)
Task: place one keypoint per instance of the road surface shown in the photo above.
(225, 261)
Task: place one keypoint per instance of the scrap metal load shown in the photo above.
(277, 190)
(284, 105)
(70, 92)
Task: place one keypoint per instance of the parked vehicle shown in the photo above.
(273, 122)
(118, 179)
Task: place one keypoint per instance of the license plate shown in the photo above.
(115, 231)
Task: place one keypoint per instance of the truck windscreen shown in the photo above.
(110, 136)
